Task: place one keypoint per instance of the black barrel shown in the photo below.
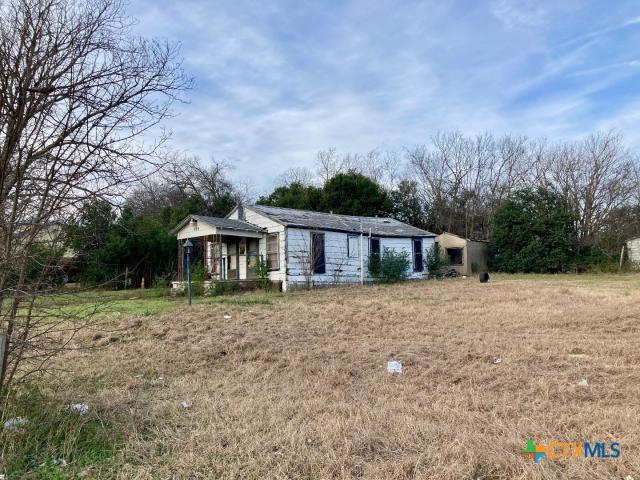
(484, 277)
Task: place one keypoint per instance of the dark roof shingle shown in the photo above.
(380, 226)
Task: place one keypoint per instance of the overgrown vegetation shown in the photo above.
(392, 266)
(262, 272)
(433, 261)
(534, 231)
(312, 366)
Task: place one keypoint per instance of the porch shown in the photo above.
(228, 249)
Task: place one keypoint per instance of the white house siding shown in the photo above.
(633, 252)
(340, 268)
(272, 227)
(405, 244)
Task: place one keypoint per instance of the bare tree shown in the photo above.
(328, 164)
(597, 174)
(77, 92)
(301, 175)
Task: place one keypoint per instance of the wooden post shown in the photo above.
(621, 258)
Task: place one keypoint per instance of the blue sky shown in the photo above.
(276, 81)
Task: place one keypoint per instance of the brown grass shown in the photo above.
(299, 388)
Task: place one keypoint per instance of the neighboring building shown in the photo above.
(300, 247)
(633, 252)
(465, 255)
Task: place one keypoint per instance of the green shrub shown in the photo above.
(596, 260)
(262, 272)
(433, 261)
(392, 267)
(534, 232)
(198, 275)
(221, 287)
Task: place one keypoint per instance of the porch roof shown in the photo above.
(228, 225)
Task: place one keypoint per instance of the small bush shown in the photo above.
(221, 287)
(262, 272)
(161, 283)
(391, 268)
(433, 261)
(198, 275)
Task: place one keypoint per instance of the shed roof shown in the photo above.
(464, 238)
(226, 223)
(380, 226)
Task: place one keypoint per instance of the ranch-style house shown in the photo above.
(299, 247)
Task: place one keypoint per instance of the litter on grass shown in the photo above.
(79, 408)
(15, 424)
(583, 383)
(227, 317)
(394, 367)
(497, 360)
(186, 404)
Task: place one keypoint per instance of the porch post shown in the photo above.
(180, 261)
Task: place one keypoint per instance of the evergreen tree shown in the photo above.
(534, 231)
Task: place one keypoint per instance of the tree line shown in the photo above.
(459, 183)
(469, 186)
(80, 95)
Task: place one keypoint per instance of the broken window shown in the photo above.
(455, 256)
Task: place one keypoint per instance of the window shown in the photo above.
(353, 244)
(374, 256)
(418, 265)
(317, 253)
(455, 256)
(374, 247)
(273, 246)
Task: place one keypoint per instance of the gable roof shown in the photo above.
(226, 223)
(379, 226)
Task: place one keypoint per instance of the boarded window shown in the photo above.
(272, 251)
(455, 256)
(353, 246)
(317, 253)
(418, 265)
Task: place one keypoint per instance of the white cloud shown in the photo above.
(519, 13)
(278, 82)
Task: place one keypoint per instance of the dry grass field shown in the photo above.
(295, 386)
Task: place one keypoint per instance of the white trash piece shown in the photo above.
(394, 367)
(15, 424)
(497, 360)
(79, 408)
(583, 383)
(186, 404)
(227, 317)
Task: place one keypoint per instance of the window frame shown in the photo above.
(418, 267)
(318, 268)
(357, 252)
(276, 252)
(377, 239)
